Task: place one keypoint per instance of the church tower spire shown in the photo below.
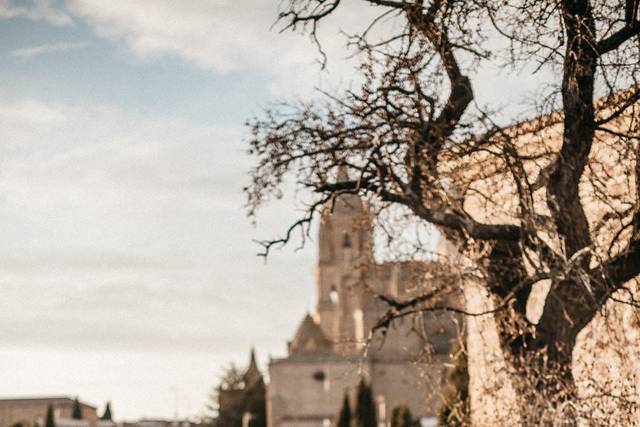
(252, 375)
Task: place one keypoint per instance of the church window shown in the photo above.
(393, 285)
(319, 376)
(326, 385)
(358, 320)
(382, 409)
(310, 345)
(333, 295)
(346, 240)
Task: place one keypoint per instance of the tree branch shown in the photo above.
(455, 220)
(616, 39)
(631, 29)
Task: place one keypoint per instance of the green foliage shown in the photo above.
(76, 412)
(106, 415)
(50, 421)
(455, 406)
(344, 417)
(231, 378)
(401, 417)
(236, 395)
(365, 410)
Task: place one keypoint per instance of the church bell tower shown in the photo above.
(345, 247)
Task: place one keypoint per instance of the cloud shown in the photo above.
(119, 219)
(35, 10)
(224, 37)
(28, 113)
(29, 52)
(220, 36)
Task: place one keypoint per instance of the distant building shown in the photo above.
(32, 411)
(70, 422)
(159, 422)
(326, 357)
(243, 404)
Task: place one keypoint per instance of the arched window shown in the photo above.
(333, 295)
(346, 240)
(382, 408)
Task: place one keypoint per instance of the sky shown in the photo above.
(128, 267)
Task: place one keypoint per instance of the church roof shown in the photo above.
(309, 337)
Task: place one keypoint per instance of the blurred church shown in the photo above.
(332, 349)
(63, 411)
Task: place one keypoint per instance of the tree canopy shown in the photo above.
(50, 420)
(364, 412)
(401, 417)
(344, 416)
(76, 411)
(106, 415)
(238, 395)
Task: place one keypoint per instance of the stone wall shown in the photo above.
(606, 357)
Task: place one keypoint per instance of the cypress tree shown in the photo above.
(50, 422)
(401, 417)
(344, 417)
(76, 413)
(365, 410)
(106, 415)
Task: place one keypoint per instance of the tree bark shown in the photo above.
(539, 357)
(545, 382)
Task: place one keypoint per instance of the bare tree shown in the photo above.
(514, 200)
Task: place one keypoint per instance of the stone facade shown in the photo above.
(34, 410)
(607, 354)
(329, 351)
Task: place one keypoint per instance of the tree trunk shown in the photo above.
(544, 382)
(539, 357)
